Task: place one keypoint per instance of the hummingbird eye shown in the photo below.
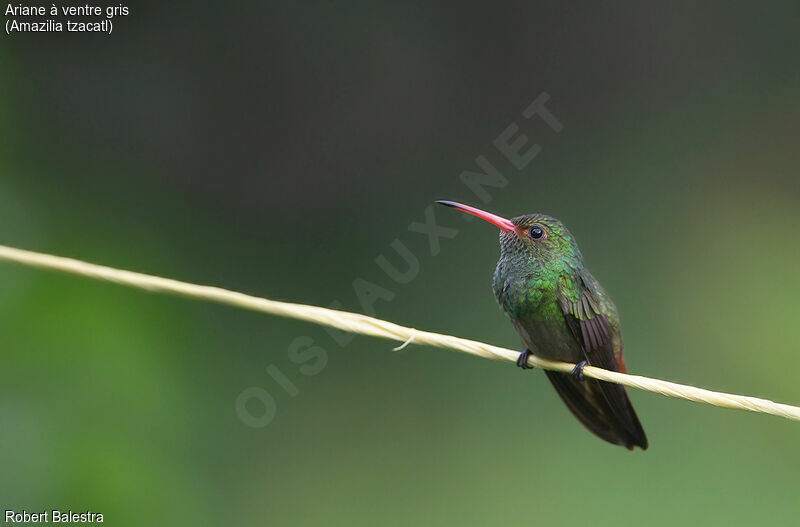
(536, 232)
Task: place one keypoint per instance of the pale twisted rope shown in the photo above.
(364, 325)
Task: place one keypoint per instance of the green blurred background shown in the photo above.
(280, 148)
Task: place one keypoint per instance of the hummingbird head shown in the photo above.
(531, 238)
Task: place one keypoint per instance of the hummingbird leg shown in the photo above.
(577, 371)
(522, 360)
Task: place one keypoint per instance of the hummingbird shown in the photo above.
(562, 313)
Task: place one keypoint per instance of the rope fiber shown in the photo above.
(364, 325)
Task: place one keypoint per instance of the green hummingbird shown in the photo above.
(561, 312)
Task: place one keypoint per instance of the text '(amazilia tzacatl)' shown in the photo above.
(562, 313)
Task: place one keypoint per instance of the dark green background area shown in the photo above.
(279, 149)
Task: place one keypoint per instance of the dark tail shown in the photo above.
(602, 407)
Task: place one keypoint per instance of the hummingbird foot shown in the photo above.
(522, 360)
(577, 371)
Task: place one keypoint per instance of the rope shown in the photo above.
(364, 325)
